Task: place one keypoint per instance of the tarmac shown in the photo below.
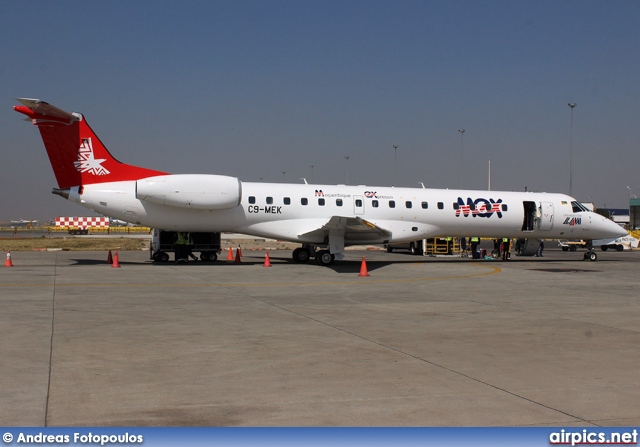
(421, 341)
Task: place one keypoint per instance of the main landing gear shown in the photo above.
(323, 257)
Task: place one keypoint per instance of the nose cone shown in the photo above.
(606, 228)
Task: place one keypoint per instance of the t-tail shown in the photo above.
(77, 155)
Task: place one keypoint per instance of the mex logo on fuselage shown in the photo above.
(479, 207)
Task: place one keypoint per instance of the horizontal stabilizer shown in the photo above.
(40, 110)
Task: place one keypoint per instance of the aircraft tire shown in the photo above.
(208, 256)
(324, 258)
(301, 255)
(604, 248)
(593, 256)
(161, 256)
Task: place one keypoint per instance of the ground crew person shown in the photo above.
(474, 247)
(449, 245)
(181, 247)
(505, 248)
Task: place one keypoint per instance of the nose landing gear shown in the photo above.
(590, 254)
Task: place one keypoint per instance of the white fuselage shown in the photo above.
(293, 212)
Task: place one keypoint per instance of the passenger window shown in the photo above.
(392, 203)
(304, 201)
(456, 206)
(408, 204)
(287, 200)
(269, 200)
(321, 202)
(339, 202)
(359, 203)
(440, 205)
(252, 199)
(504, 207)
(425, 205)
(374, 203)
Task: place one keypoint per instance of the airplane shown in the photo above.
(324, 219)
(119, 223)
(24, 223)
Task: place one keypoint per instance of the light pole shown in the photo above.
(346, 157)
(572, 106)
(395, 164)
(461, 154)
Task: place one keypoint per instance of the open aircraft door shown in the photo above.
(546, 215)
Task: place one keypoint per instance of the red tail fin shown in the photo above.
(77, 155)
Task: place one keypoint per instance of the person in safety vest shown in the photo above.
(449, 245)
(505, 248)
(474, 247)
(181, 246)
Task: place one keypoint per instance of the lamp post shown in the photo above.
(572, 106)
(395, 164)
(346, 157)
(461, 154)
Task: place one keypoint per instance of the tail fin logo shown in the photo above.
(86, 162)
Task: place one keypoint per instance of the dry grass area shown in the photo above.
(73, 243)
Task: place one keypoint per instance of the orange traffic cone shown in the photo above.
(237, 260)
(109, 258)
(116, 262)
(8, 262)
(267, 261)
(240, 251)
(363, 268)
(230, 256)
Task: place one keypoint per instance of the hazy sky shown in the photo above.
(255, 88)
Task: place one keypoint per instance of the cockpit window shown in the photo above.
(578, 207)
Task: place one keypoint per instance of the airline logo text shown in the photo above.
(572, 221)
(479, 207)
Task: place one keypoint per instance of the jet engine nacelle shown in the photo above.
(195, 191)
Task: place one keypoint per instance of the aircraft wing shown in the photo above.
(348, 231)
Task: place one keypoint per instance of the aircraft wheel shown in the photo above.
(208, 256)
(619, 247)
(300, 255)
(324, 258)
(593, 256)
(604, 248)
(161, 256)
